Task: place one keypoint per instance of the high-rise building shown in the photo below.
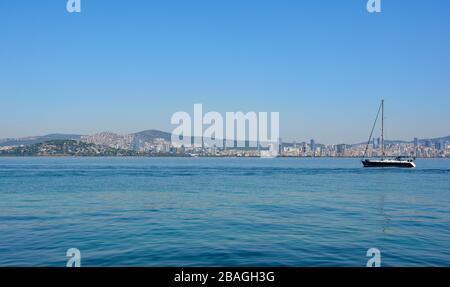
(312, 145)
(340, 149)
(280, 145)
(416, 142)
(439, 145)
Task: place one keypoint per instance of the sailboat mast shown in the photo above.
(382, 128)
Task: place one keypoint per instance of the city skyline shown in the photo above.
(130, 65)
(157, 143)
(167, 135)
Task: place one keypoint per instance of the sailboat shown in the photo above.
(384, 161)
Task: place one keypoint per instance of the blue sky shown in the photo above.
(125, 66)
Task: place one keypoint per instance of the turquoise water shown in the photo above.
(222, 212)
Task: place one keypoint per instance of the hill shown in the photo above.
(65, 148)
(421, 141)
(37, 139)
(150, 135)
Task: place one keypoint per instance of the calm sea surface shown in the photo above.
(215, 212)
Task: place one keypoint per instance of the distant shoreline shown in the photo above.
(186, 156)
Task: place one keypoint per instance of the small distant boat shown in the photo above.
(400, 161)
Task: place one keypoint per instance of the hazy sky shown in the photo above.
(125, 66)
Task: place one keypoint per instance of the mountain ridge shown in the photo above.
(145, 136)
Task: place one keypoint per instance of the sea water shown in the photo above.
(222, 212)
